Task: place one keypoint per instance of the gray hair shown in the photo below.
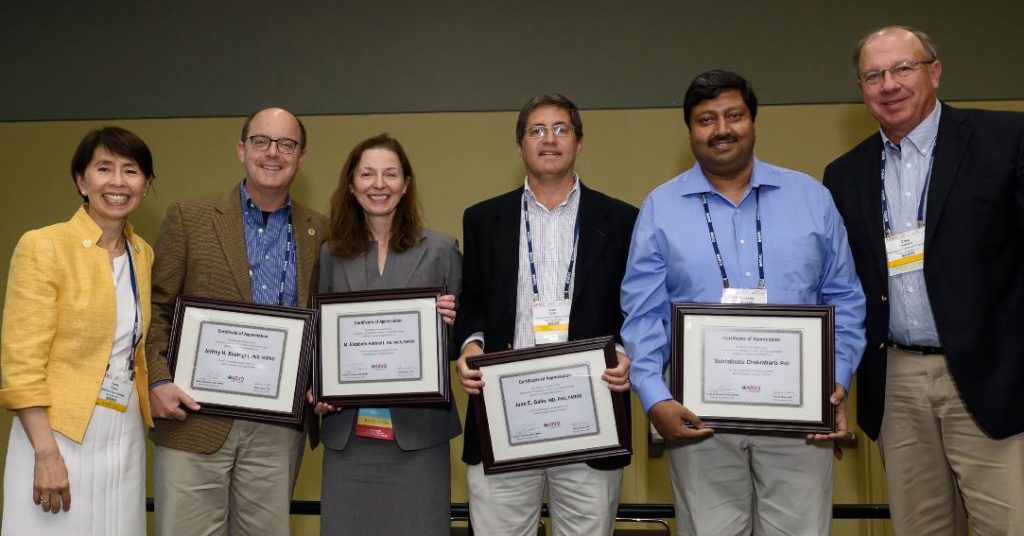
(929, 46)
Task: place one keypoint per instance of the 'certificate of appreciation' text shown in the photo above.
(549, 404)
(745, 366)
(239, 359)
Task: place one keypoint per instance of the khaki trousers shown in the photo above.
(938, 461)
(243, 489)
(582, 500)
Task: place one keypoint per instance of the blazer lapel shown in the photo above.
(306, 251)
(507, 222)
(870, 178)
(400, 266)
(950, 145)
(355, 270)
(231, 234)
(591, 240)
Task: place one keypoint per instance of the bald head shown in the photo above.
(279, 113)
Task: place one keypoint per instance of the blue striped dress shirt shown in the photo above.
(266, 246)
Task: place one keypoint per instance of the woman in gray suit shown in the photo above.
(386, 470)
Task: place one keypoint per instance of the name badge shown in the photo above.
(744, 295)
(551, 321)
(375, 423)
(905, 252)
(116, 390)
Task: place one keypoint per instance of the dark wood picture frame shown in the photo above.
(296, 414)
(623, 446)
(441, 396)
(825, 423)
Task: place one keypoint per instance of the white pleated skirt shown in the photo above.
(107, 475)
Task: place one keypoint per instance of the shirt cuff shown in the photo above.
(478, 337)
(651, 391)
(844, 374)
(158, 383)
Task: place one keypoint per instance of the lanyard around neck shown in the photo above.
(886, 222)
(136, 336)
(289, 257)
(529, 251)
(289, 254)
(718, 252)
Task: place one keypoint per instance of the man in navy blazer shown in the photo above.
(534, 230)
(934, 206)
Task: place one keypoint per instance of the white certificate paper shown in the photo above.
(379, 347)
(744, 366)
(235, 358)
(549, 404)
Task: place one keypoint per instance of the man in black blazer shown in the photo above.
(498, 311)
(941, 259)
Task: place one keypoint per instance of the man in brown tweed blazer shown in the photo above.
(213, 474)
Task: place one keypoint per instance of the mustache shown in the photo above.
(723, 138)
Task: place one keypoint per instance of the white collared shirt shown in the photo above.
(553, 243)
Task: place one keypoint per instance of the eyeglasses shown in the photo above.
(262, 143)
(560, 130)
(900, 70)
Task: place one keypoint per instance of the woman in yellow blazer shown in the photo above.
(75, 316)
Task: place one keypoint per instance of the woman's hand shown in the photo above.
(50, 488)
(323, 408)
(446, 308)
(320, 408)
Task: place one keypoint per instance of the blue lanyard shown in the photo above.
(136, 336)
(289, 256)
(920, 204)
(529, 251)
(718, 252)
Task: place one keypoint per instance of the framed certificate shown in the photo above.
(547, 405)
(767, 368)
(242, 360)
(381, 348)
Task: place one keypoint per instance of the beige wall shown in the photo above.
(459, 159)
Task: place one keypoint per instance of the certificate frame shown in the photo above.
(432, 386)
(500, 452)
(811, 326)
(198, 319)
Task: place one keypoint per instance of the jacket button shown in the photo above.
(884, 298)
(87, 243)
(881, 346)
(509, 346)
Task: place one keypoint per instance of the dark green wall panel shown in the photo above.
(88, 60)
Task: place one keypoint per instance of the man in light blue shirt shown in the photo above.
(735, 483)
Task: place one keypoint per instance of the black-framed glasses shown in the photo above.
(901, 70)
(284, 145)
(560, 130)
